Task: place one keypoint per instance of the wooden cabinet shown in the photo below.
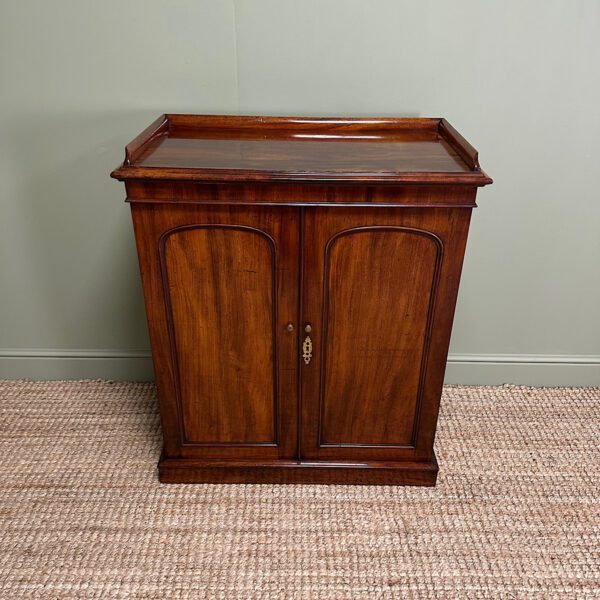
(300, 278)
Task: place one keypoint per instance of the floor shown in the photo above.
(515, 514)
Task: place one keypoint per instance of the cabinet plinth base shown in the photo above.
(184, 470)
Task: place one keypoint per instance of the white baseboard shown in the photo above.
(469, 369)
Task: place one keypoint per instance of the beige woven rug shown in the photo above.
(516, 513)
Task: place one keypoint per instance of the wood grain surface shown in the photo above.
(379, 290)
(228, 148)
(379, 283)
(300, 277)
(221, 295)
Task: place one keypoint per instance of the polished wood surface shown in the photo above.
(284, 471)
(220, 290)
(299, 194)
(366, 154)
(254, 233)
(378, 285)
(220, 285)
(379, 290)
(223, 148)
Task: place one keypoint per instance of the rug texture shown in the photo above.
(515, 514)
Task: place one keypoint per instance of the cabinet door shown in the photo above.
(379, 293)
(221, 286)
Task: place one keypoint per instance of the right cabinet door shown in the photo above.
(378, 296)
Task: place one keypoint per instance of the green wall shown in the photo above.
(521, 80)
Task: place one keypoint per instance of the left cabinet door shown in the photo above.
(221, 287)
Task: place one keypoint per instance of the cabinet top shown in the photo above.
(223, 148)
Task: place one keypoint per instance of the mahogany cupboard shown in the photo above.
(300, 277)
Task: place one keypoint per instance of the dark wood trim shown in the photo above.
(300, 314)
(235, 123)
(286, 194)
(172, 470)
(302, 204)
(460, 145)
(159, 127)
(475, 178)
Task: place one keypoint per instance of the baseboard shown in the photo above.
(539, 370)
(75, 364)
(467, 369)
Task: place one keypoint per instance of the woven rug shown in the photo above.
(515, 514)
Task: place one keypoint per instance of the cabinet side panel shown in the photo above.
(379, 286)
(221, 298)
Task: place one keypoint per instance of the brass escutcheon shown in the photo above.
(307, 349)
